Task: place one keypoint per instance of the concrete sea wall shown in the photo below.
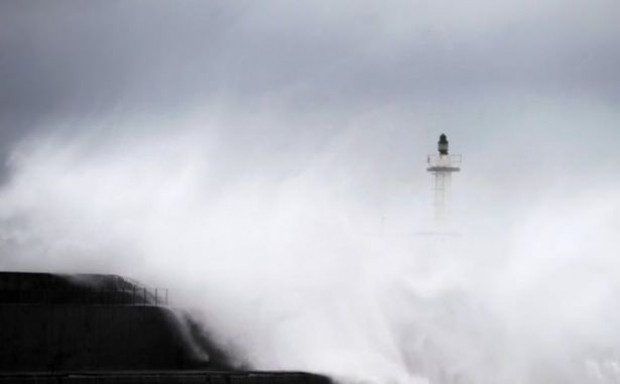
(43, 337)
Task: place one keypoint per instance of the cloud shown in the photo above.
(63, 59)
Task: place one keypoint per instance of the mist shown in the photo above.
(266, 164)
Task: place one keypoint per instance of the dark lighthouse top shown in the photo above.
(442, 144)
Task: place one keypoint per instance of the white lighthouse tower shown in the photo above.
(442, 166)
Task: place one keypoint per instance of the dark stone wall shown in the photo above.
(224, 377)
(46, 288)
(43, 337)
(105, 329)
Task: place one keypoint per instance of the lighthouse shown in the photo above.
(442, 165)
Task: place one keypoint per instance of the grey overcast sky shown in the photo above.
(537, 80)
(528, 88)
(67, 60)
